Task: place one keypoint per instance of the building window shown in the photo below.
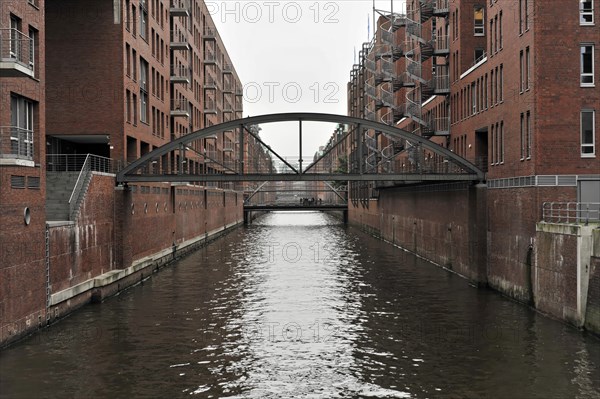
(522, 136)
(127, 59)
(15, 24)
(526, 14)
(21, 129)
(143, 20)
(135, 114)
(500, 31)
(143, 91)
(529, 138)
(33, 36)
(588, 123)
(128, 106)
(133, 21)
(586, 12)
(474, 98)
(485, 92)
(527, 68)
(478, 16)
(520, 16)
(522, 72)
(127, 14)
(492, 50)
(501, 139)
(587, 65)
(493, 146)
(479, 54)
(496, 47)
(501, 83)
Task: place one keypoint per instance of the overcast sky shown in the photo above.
(295, 56)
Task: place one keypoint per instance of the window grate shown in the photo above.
(33, 182)
(17, 181)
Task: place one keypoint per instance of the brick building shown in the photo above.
(139, 77)
(118, 79)
(506, 86)
(22, 155)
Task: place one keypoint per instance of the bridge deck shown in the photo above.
(296, 207)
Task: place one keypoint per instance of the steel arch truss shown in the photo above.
(416, 159)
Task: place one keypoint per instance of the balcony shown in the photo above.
(209, 58)
(180, 8)
(210, 106)
(442, 45)
(441, 8)
(228, 87)
(16, 143)
(16, 54)
(180, 107)
(228, 146)
(227, 68)
(180, 74)
(209, 82)
(210, 33)
(227, 106)
(179, 40)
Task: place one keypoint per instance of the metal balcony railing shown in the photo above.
(441, 7)
(209, 82)
(180, 106)
(16, 142)
(75, 163)
(571, 212)
(16, 47)
(210, 33)
(178, 38)
(180, 72)
(442, 44)
(210, 105)
(210, 57)
(228, 146)
(180, 7)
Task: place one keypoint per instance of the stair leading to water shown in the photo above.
(59, 186)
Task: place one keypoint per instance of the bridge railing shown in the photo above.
(571, 212)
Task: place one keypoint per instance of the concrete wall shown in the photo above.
(445, 224)
(592, 315)
(565, 275)
(490, 237)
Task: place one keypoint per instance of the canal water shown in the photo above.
(298, 305)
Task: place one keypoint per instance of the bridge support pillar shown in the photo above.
(247, 217)
(478, 234)
(345, 216)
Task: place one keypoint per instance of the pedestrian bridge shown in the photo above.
(376, 152)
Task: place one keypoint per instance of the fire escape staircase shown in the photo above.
(422, 46)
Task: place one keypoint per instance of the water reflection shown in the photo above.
(299, 306)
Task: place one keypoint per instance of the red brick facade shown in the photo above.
(512, 106)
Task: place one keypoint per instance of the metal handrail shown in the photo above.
(180, 105)
(76, 193)
(210, 104)
(75, 162)
(210, 32)
(182, 4)
(178, 36)
(16, 46)
(571, 212)
(181, 71)
(16, 142)
(442, 42)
